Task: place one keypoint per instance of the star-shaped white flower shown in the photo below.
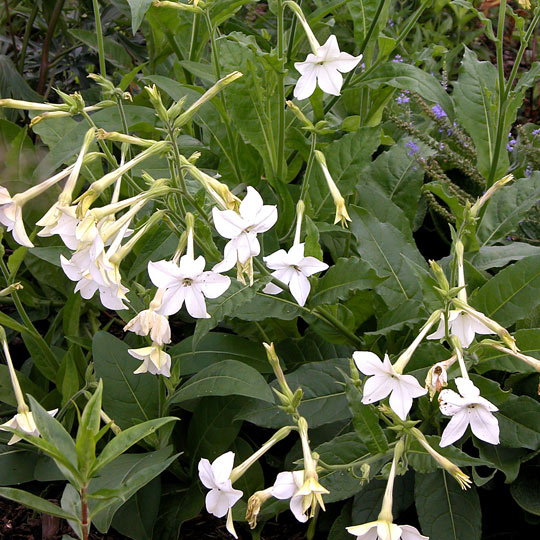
(285, 487)
(242, 229)
(385, 530)
(324, 68)
(155, 360)
(462, 325)
(222, 496)
(24, 422)
(11, 217)
(466, 409)
(187, 282)
(293, 269)
(65, 226)
(385, 380)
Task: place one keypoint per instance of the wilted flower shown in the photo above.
(149, 322)
(155, 360)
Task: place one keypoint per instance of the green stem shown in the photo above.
(502, 94)
(27, 32)
(292, 34)
(99, 35)
(281, 92)
(193, 40)
(367, 458)
(309, 166)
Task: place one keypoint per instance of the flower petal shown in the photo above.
(277, 260)
(368, 363)
(164, 274)
(306, 84)
(330, 80)
(284, 486)
(265, 219)
(222, 467)
(251, 205)
(299, 287)
(450, 402)
(172, 301)
(213, 284)
(228, 223)
(195, 304)
(217, 503)
(311, 265)
(484, 424)
(455, 428)
(346, 62)
(206, 474)
(377, 388)
(400, 400)
(410, 533)
(297, 506)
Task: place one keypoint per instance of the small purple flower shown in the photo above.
(413, 148)
(448, 132)
(528, 170)
(391, 23)
(362, 66)
(438, 111)
(441, 147)
(511, 143)
(536, 132)
(403, 98)
(397, 58)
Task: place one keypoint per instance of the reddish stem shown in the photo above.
(84, 513)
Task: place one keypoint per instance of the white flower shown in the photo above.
(222, 496)
(187, 282)
(24, 422)
(468, 408)
(242, 229)
(385, 530)
(462, 325)
(324, 68)
(286, 486)
(385, 380)
(293, 269)
(149, 322)
(11, 217)
(155, 360)
(65, 226)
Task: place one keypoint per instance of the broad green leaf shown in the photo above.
(512, 293)
(519, 422)
(498, 256)
(114, 51)
(127, 398)
(6, 389)
(125, 475)
(342, 280)
(138, 11)
(16, 465)
(445, 511)
(126, 439)
(12, 83)
(476, 99)
(384, 248)
(408, 77)
(507, 460)
(365, 421)
(215, 347)
(36, 503)
(263, 306)
(525, 490)
(324, 399)
(225, 9)
(346, 158)
(225, 306)
(507, 208)
(51, 254)
(228, 377)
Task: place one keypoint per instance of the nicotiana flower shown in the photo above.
(155, 360)
(462, 325)
(468, 408)
(385, 530)
(385, 380)
(324, 68)
(187, 282)
(149, 322)
(241, 229)
(24, 421)
(286, 486)
(293, 269)
(222, 496)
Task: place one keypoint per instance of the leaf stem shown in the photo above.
(99, 35)
(281, 92)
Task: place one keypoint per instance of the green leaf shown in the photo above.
(138, 11)
(445, 511)
(525, 490)
(126, 439)
(519, 422)
(507, 208)
(342, 280)
(16, 465)
(365, 421)
(226, 305)
(36, 503)
(324, 400)
(512, 293)
(215, 347)
(51, 254)
(507, 460)
(407, 77)
(498, 256)
(114, 51)
(476, 99)
(228, 377)
(264, 306)
(127, 398)
(384, 248)
(346, 158)
(6, 389)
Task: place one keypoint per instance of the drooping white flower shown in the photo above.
(241, 229)
(65, 226)
(286, 486)
(24, 422)
(293, 269)
(155, 360)
(462, 325)
(187, 283)
(466, 409)
(11, 217)
(149, 322)
(385, 380)
(324, 68)
(385, 530)
(222, 496)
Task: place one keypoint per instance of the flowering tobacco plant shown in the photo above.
(154, 269)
